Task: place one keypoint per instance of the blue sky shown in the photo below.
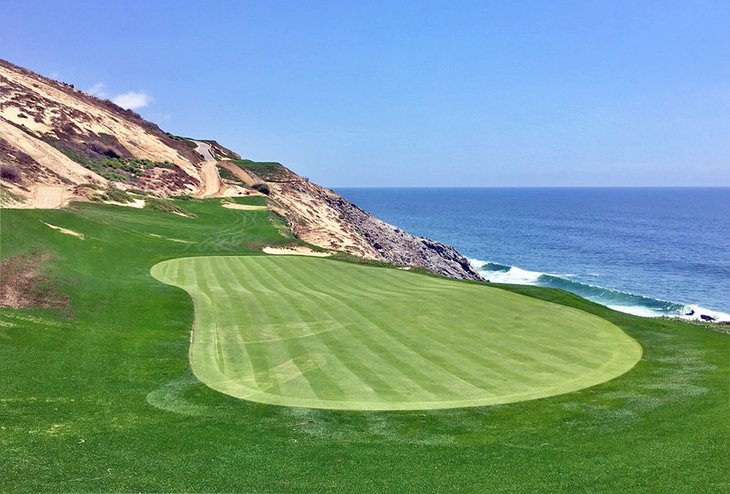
(504, 93)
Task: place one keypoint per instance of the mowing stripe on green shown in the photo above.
(312, 332)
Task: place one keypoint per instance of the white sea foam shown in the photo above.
(476, 263)
(636, 310)
(695, 312)
(501, 273)
(515, 275)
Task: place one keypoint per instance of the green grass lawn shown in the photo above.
(99, 395)
(319, 333)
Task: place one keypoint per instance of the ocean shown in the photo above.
(646, 251)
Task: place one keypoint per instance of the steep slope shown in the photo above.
(52, 134)
(326, 219)
(58, 144)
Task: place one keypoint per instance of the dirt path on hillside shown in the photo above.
(48, 197)
(212, 185)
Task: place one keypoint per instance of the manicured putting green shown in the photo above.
(320, 333)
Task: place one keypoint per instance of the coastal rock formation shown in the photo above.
(324, 218)
(58, 144)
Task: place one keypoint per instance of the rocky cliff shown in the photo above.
(58, 144)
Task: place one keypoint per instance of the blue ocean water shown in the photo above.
(647, 251)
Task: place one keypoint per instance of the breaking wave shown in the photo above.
(630, 303)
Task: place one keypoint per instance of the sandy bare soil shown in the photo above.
(23, 284)
(212, 185)
(136, 203)
(243, 207)
(295, 251)
(51, 158)
(65, 231)
(324, 227)
(91, 119)
(211, 181)
(49, 197)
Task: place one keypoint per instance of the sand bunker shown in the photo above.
(295, 251)
(65, 231)
(136, 203)
(244, 207)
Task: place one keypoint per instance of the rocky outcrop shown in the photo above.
(56, 142)
(326, 219)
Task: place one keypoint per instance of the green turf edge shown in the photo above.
(620, 363)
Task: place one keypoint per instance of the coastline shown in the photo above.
(627, 302)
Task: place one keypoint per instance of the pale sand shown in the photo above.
(98, 120)
(211, 180)
(243, 207)
(65, 230)
(295, 251)
(136, 203)
(48, 156)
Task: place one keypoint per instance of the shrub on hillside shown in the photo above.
(11, 173)
(263, 188)
(165, 206)
(113, 195)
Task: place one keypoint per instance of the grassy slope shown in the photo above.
(99, 397)
(325, 334)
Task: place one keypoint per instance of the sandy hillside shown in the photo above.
(43, 123)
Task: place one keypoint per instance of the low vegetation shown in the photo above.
(116, 169)
(112, 194)
(102, 398)
(229, 176)
(165, 206)
(265, 170)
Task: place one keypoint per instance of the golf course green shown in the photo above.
(319, 333)
(99, 394)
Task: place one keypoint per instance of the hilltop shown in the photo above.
(59, 144)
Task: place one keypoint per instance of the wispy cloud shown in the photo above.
(132, 100)
(98, 90)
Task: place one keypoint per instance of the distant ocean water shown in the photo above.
(646, 251)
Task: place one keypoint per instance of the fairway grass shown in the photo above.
(319, 333)
(100, 396)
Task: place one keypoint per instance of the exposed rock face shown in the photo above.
(323, 218)
(56, 140)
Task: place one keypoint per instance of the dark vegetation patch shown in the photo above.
(24, 282)
(116, 168)
(11, 173)
(7, 196)
(263, 188)
(165, 206)
(229, 176)
(184, 140)
(25, 165)
(266, 170)
(112, 194)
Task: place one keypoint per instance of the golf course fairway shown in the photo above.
(320, 333)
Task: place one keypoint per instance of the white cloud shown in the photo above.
(132, 100)
(98, 90)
